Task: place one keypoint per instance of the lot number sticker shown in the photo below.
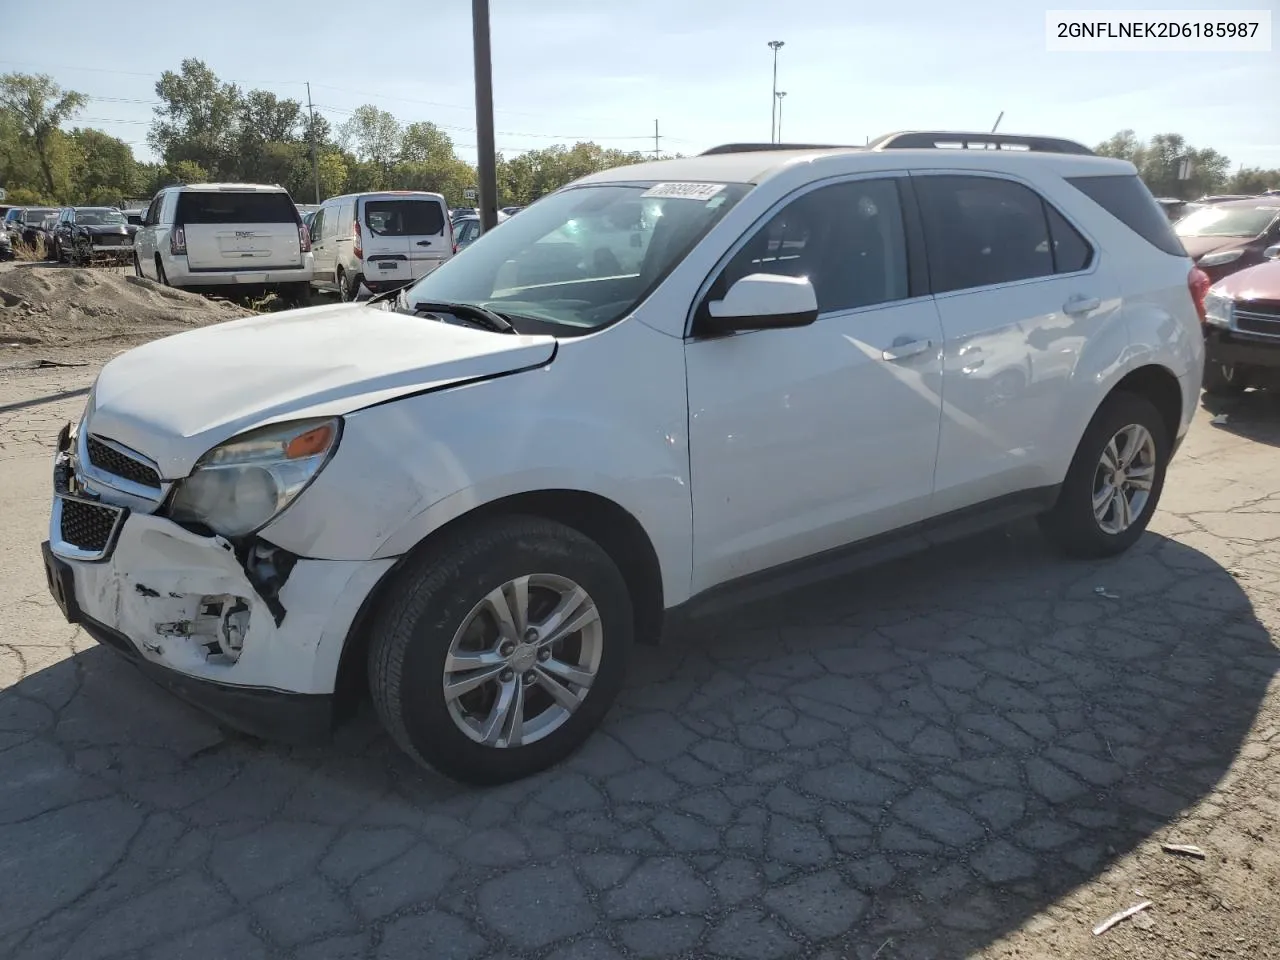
(685, 191)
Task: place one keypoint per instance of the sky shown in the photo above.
(604, 70)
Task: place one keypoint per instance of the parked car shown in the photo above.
(1242, 329)
(24, 224)
(382, 240)
(473, 496)
(86, 235)
(134, 217)
(467, 230)
(1230, 235)
(6, 246)
(510, 211)
(1176, 209)
(457, 212)
(218, 235)
(1222, 197)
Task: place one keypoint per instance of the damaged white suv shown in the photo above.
(656, 385)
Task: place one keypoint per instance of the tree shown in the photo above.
(104, 168)
(373, 135)
(1252, 180)
(424, 142)
(40, 107)
(1158, 161)
(198, 119)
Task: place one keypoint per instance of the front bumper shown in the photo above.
(1231, 348)
(183, 607)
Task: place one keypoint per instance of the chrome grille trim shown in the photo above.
(115, 489)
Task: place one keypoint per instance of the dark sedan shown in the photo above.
(23, 223)
(1242, 329)
(1231, 235)
(86, 235)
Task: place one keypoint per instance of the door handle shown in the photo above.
(1081, 304)
(904, 347)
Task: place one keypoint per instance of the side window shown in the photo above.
(1071, 252)
(982, 230)
(317, 225)
(847, 238)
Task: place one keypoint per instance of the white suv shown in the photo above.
(661, 386)
(206, 235)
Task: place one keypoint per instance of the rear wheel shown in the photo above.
(1223, 380)
(498, 655)
(1114, 482)
(347, 291)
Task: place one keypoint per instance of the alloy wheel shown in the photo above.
(1123, 479)
(523, 660)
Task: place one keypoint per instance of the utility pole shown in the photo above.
(780, 94)
(315, 159)
(773, 114)
(486, 161)
(657, 150)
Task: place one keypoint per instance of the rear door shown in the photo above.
(405, 237)
(237, 229)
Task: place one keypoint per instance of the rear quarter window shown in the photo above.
(227, 207)
(1127, 198)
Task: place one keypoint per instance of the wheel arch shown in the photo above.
(610, 525)
(1159, 385)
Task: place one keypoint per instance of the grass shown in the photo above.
(30, 252)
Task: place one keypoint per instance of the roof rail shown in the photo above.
(949, 139)
(760, 147)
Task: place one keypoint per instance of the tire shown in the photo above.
(1073, 524)
(58, 255)
(1223, 380)
(346, 291)
(435, 598)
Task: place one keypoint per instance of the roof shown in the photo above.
(1259, 201)
(755, 165)
(211, 187)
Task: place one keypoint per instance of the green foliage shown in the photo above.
(1158, 159)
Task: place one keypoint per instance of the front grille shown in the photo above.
(1260, 318)
(111, 460)
(88, 526)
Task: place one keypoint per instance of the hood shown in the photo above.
(173, 399)
(104, 229)
(1197, 247)
(1261, 282)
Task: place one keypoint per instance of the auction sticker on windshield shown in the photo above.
(686, 191)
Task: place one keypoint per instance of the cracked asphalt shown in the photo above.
(975, 752)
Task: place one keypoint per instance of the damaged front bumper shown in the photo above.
(249, 633)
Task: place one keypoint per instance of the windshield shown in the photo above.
(583, 257)
(98, 218)
(1226, 222)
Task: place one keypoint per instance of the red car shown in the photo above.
(1242, 329)
(1229, 236)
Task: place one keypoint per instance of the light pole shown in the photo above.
(486, 163)
(773, 112)
(780, 94)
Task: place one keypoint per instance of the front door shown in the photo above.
(808, 438)
(322, 246)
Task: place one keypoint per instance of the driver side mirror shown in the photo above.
(1272, 252)
(763, 301)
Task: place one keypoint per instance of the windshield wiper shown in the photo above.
(467, 311)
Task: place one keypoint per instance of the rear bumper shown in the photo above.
(1226, 347)
(181, 275)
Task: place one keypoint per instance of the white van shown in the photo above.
(382, 240)
(245, 235)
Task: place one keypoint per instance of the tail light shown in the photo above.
(453, 242)
(1198, 283)
(304, 238)
(359, 243)
(178, 242)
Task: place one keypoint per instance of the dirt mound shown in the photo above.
(76, 307)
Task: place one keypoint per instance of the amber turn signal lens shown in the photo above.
(314, 441)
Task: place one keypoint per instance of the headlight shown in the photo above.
(1219, 258)
(240, 486)
(1217, 309)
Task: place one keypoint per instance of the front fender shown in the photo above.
(607, 417)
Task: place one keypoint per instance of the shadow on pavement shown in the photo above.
(1254, 415)
(931, 753)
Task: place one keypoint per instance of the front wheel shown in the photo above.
(1223, 380)
(498, 654)
(1114, 482)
